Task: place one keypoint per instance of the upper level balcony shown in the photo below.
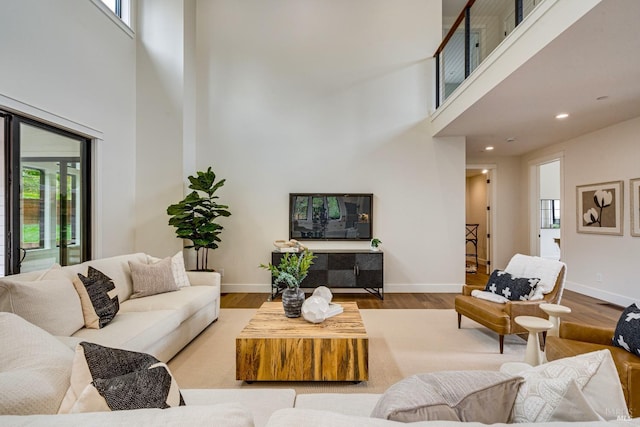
(507, 67)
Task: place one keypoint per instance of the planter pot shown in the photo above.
(292, 300)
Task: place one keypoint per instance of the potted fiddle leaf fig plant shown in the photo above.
(195, 217)
(290, 272)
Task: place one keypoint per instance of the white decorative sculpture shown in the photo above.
(314, 309)
(324, 293)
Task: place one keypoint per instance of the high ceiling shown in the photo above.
(591, 71)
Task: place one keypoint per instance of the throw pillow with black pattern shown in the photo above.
(511, 287)
(112, 379)
(98, 296)
(627, 333)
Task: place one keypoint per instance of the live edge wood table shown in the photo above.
(273, 347)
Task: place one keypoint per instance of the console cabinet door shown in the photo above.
(342, 271)
(369, 270)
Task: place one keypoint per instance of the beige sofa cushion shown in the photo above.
(262, 402)
(227, 414)
(136, 331)
(34, 370)
(359, 404)
(52, 304)
(187, 301)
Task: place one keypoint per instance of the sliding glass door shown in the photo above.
(48, 197)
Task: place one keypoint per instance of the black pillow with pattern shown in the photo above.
(111, 379)
(98, 296)
(511, 287)
(627, 333)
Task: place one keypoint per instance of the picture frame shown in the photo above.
(634, 189)
(600, 208)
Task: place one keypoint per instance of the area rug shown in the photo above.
(401, 343)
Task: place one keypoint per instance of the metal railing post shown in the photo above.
(437, 80)
(467, 41)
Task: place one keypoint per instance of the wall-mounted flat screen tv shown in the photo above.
(330, 216)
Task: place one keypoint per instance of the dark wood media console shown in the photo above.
(361, 269)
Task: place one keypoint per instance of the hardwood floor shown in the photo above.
(584, 309)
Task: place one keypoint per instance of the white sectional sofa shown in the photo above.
(36, 365)
(160, 325)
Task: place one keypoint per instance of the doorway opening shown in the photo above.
(546, 203)
(480, 181)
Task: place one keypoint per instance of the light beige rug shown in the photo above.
(401, 343)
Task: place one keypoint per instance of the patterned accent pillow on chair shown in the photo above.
(511, 287)
(627, 333)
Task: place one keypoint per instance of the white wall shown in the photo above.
(68, 59)
(609, 154)
(165, 118)
(321, 96)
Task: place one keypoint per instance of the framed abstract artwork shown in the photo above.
(634, 188)
(599, 208)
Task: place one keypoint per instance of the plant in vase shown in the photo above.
(375, 243)
(290, 272)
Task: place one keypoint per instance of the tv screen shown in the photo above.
(331, 216)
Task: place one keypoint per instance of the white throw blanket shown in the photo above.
(546, 270)
(520, 265)
(489, 296)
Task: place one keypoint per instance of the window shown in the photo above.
(33, 184)
(48, 199)
(549, 213)
(119, 11)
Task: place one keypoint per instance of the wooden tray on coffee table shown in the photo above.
(273, 347)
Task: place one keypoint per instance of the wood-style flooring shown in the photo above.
(584, 309)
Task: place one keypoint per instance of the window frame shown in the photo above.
(123, 19)
(13, 255)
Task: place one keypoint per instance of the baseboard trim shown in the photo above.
(397, 288)
(611, 297)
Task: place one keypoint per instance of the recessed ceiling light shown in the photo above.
(562, 116)
(488, 148)
(511, 139)
(600, 98)
(485, 171)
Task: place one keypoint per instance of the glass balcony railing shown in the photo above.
(471, 36)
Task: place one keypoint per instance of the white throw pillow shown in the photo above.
(177, 267)
(580, 388)
(50, 302)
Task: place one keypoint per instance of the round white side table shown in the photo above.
(534, 325)
(554, 311)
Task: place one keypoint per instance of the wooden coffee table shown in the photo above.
(273, 347)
